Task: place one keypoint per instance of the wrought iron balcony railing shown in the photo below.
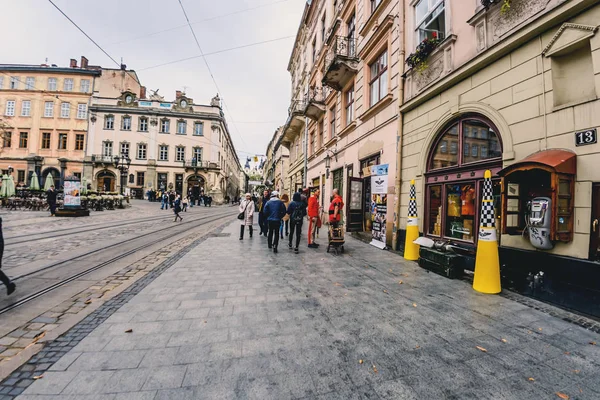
(297, 107)
(200, 164)
(104, 158)
(316, 95)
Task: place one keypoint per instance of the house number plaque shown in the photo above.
(586, 137)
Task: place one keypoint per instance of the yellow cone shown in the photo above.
(411, 250)
(487, 262)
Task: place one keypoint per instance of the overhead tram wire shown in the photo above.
(210, 71)
(202, 20)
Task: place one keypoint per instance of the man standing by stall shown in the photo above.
(335, 209)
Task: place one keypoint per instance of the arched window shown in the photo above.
(454, 180)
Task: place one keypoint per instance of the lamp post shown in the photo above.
(122, 163)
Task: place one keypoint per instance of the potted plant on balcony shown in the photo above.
(505, 4)
(418, 59)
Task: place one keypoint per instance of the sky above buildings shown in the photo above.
(254, 81)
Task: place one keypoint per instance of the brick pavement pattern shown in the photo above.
(231, 320)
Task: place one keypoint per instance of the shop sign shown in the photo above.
(379, 187)
(145, 103)
(72, 194)
(165, 105)
(584, 138)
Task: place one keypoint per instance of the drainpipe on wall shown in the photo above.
(398, 183)
(305, 180)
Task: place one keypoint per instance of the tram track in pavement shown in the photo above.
(28, 239)
(30, 297)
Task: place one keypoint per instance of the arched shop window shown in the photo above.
(454, 180)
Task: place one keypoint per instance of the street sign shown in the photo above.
(584, 138)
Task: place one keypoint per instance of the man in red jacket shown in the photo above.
(313, 216)
(335, 209)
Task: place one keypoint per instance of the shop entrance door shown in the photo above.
(354, 205)
(595, 228)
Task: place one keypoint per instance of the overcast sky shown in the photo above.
(254, 81)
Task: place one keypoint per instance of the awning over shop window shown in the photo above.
(553, 160)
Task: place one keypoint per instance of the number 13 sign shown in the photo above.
(586, 137)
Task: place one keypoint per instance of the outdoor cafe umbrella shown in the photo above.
(4, 186)
(10, 187)
(35, 182)
(49, 181)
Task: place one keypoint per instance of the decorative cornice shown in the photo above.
(565, 26)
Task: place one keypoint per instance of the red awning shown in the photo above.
(560, 161)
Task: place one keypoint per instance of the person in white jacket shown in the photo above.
(246, 207)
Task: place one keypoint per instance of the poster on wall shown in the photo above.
(379, 187)
(72, 194)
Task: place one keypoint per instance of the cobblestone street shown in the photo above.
(230, 320)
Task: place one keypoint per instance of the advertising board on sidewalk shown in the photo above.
(379, 187)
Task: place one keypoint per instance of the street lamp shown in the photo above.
(122, 163)
(328, 160)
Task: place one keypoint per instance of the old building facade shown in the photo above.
(344, 104)
(277, 163)
(514, 90)
(173, 145)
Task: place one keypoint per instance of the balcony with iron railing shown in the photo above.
(295, 121)
(198, 165)
(103, 158)
(341, 63)
(315, 102)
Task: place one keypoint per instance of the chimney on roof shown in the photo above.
(143, 92)
(73, 63)
(177, 94)
(84, 62)
(124, 67)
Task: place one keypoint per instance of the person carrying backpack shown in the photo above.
(297, 211)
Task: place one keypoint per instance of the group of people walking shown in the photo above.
(278, 214)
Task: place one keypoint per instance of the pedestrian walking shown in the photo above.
(209, 200)
(247, 213)
(335, 209)
(164, 204)
(51, 199)
(274, 212)
(171, 198)
(184, 202)
(285, 222)
(10, 286)
(296, 212)
(177, 208)
(262, 220)
(313, 218)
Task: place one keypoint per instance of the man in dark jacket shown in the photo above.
(10, 286)
(51, 199)
(262, 220)
(274, 211)
(297, 211)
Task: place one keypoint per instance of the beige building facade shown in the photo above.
(343, 117)
(514, 90)
(173, 145)
(277, 164)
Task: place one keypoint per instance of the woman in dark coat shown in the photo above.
(177, 208)
(10, 286)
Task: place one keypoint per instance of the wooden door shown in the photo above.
(354, 205)
(595, 227)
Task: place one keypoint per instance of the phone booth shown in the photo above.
(538, 197)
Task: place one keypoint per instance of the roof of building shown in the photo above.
(50, 68)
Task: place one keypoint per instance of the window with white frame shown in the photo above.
(30, 83)
(165, 125)
(124, 149)
(332, 115)
(181, 127)
(378, 82)
(84, 85)
(197, 154)
(81, 111)
(179, 153)
(65, 110)
(52, 84)
(143, 124)
(14, 82)
(141, 151)
(349, 105)
(107, 149)
(198, 129)
(62, 141)
(163, 153)
(26, 108)
(49, 109)
(126, 123)
(1, 82)
(68, 85)
(430, 20)
(10, 108)
(109, 122)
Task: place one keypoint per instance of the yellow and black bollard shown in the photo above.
(487, 262)
(411, 250)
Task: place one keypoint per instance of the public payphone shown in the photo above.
(539, 222)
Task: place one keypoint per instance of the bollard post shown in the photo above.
(411, 250)
(487, 262)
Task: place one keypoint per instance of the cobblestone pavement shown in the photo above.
(230, 320)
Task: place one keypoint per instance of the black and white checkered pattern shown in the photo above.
(412, 203)
(487, 219)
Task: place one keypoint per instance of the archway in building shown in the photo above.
(197, 184)
(106, 181)
(457, 159)
(55, 176)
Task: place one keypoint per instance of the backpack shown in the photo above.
(297, 214)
